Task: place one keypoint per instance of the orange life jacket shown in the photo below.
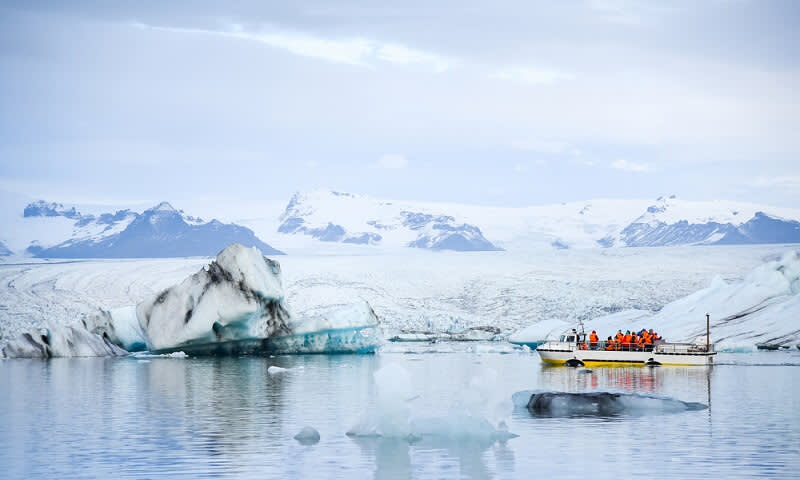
(593, 338)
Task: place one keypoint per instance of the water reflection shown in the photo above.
(437, 457)
(627, 379)
(229, 418)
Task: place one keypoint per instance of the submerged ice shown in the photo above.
(478, 414)
(236, 304)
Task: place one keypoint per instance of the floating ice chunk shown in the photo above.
(307, 436)
(563, 404)
(275, 370)
(147, 355)
(393, 415)
(69, 341)
(342, 317)
(342, 329)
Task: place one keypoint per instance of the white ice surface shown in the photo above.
(413, 290)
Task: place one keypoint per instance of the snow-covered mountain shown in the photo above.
(673, 222)
(161, 231)
(4, 251)
(331, 216)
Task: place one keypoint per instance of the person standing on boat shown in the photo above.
(648, 340)
(626, 340)
(593, 340)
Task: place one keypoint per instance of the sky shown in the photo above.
(508, 103)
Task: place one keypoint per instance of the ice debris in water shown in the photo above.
(275, 370)
(307, 436)
(564, 404)
(234, 305)
(161, 355)
(394, 417)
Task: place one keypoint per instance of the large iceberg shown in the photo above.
(234, 305)
(763, 307)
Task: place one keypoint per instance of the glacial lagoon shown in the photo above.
(166, 417)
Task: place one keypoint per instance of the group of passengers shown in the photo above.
(642, 340)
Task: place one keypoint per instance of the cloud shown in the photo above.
(392, 161)
(547, 146)
(622, 164)
(787, 182)
(351, 51)
(400, 54)
(532, 76)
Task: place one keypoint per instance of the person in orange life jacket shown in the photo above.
(593, 340)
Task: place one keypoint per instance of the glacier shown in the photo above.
(234, 305)
(418, 294)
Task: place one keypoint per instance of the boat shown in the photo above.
(573, 349)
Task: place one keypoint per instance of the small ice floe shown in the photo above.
(141, 356)
(275, 370)
(307, 436)
(564, 404)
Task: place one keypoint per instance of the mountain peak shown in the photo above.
(41, 208)
(163, 207)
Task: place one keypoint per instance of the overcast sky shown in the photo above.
(501, 103)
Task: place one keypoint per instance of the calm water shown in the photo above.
(228, 417)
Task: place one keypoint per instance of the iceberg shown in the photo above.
(67, 341)
(234, 305)
(567, 404)
(761, 308)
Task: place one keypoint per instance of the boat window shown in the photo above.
(563, 338)
(571, 338)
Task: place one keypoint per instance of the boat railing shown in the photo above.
(683, 348)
